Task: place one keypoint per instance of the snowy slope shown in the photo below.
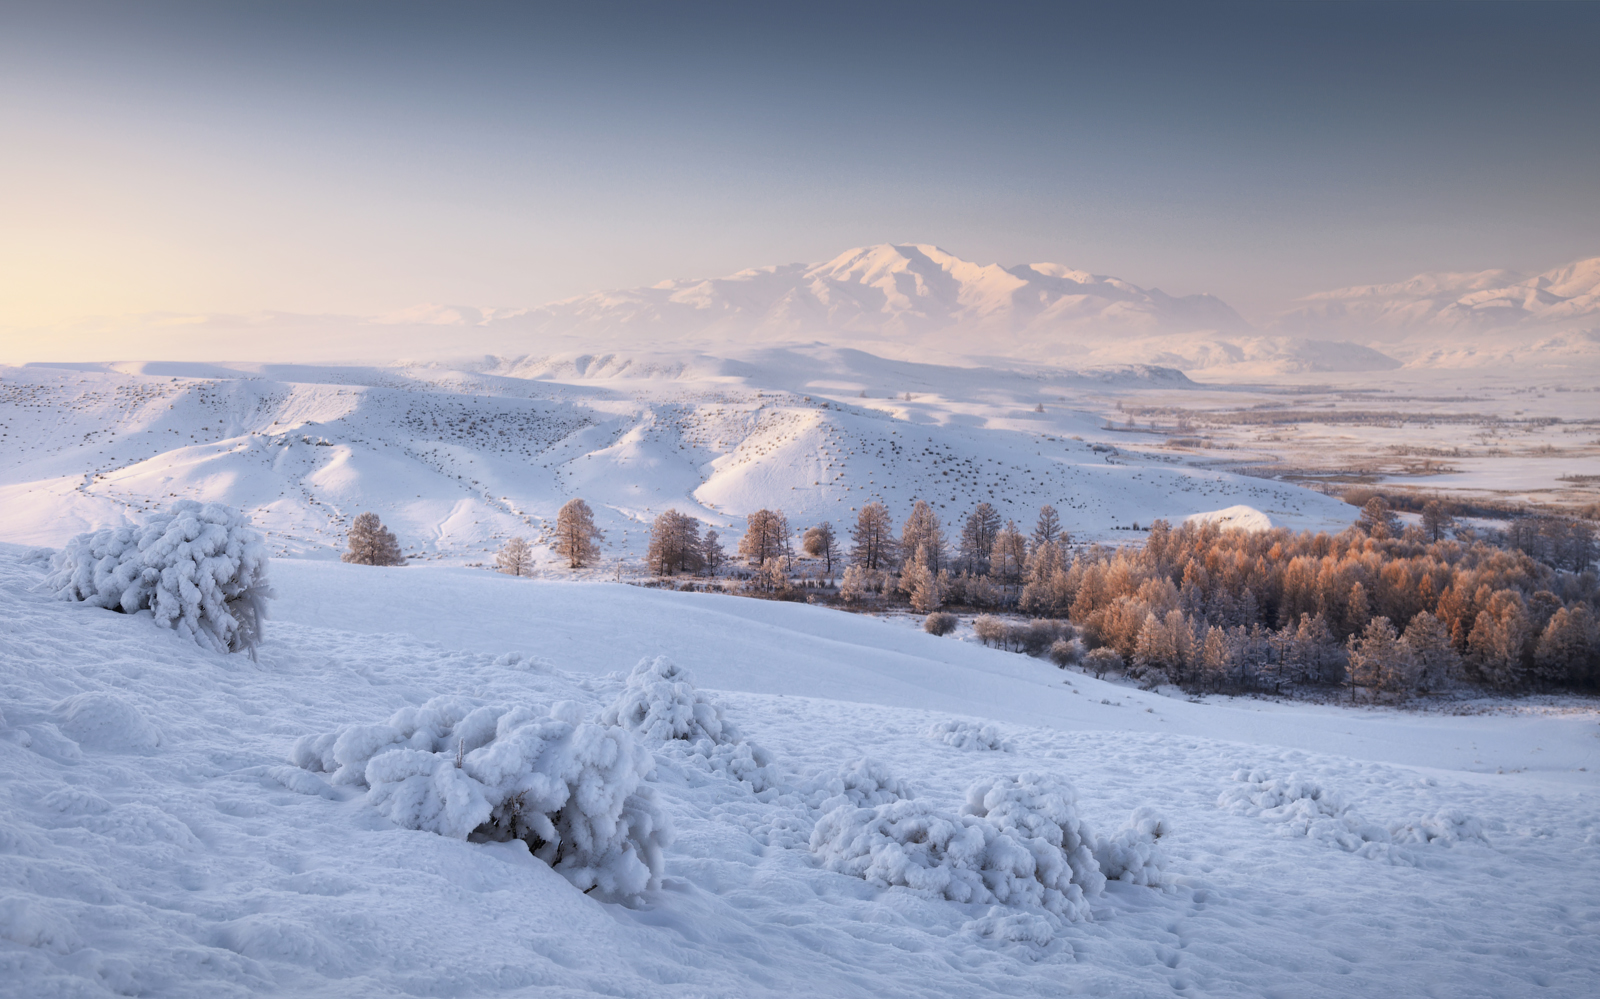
(457, 459)
(154, 839)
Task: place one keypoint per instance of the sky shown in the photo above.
(360, 159)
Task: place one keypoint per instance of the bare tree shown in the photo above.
(675, 544)
(873, 538)
(821, 542)
(766, 536)
(577, 537)
(516, 558)
(370, 543)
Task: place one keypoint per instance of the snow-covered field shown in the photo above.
(156, 840)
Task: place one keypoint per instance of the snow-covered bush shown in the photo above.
(1443, 828)
(200, 570)
(573, 790)
(968, 735)
(1017, 842)
(660, 703)
(1303, 808)
(864, 783)
(1133, 853)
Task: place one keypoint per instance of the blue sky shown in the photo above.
(360, 158)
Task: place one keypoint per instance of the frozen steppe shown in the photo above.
(155, 840)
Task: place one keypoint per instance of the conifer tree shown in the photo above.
(922, 530)
(766, 537)
(1047, 530)
(1008, 557)
(675, 544)
(370, 543)
(1436, 521)
(577, 538)
(712, 554)
(873, 544)
(977, 539)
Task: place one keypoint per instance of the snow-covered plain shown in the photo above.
(156, 840)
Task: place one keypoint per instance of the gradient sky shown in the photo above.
(361, 158)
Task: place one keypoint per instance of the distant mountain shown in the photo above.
(1566, 297)
(910, 294)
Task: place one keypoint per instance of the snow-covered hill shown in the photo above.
(457, 459)
(156, 839)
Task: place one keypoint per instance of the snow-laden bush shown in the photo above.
(968, 735)
(1133, 853)
(939, 623)
(864, 783)
(1443, 828)
(200, 570)
(1304, 808)
(573, 790)
(660, 703)
(1017, 842)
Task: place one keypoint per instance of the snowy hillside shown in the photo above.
(161, 834)
(457, 459)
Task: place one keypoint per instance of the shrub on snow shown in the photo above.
(939, 623)
(865, 783)
(572, 790)
(200, 570)
(1017, 841)
(967, 735)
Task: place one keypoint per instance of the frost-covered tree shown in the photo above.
(675, 544)
(1498, 640)
(370, 543)
(873, 544)
(1436, 521)
(1378, 660)
(1565, 649)
(199, 570)
(712, 555)
(1437, 663)
(1047, 530)
(1009, 556)
(977, 539)
(516, 558)
(577, 538)
(922, 530)
(1377, 520)
(822, 542)
(766, 537)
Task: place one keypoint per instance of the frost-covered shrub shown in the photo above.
(989, 629)
(1064, 652)
(1102, 661)
(573, 790)
(1133, 853)
(1017, 842)
(660, 703)
(939, 623)
(968, 735)
(200, 570)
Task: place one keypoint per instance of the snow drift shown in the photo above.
(574, 791)
(200, 570)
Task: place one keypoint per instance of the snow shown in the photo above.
(156, 839)
(1237, 517)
